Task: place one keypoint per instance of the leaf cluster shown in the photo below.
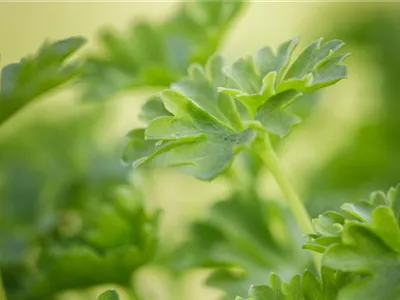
(116, 238)
(109, 295)
(66, 221)
(307, 286)
(157, 54)
(205, 119)
(360, 254)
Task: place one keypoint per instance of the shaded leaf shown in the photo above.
(37, 74)
(109, 295)
(157, 54)
(242, 241)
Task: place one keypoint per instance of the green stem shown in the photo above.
(300, 213)
(2, 291)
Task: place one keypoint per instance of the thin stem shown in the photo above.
(300, 213)
(2, 291)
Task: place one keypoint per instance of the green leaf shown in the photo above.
(279, 62)
(305, 287)
(37, 74)
(114, 239)
(216, 111)
(157, 54)
(365, 252)
(109, 295)
(328, 227)
(201, 88)
(366, 242)
(152, 109)
(261, 76)
(59, 196)
(194, 140)
(139, 151)
(272, 116)
(317, 66)
(243, 239)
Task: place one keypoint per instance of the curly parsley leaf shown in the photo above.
(268, 83)
(103, 243)
(305, 287)
(37, 74)
(363, 239)
(242, 241)
(205, 119)
(158, 54)
(153, 108)
(201, 134)
(60, 202)
(361, 254)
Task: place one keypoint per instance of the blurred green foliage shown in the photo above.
(152, 54)
(37, 74)
(71, 216)
(307, 286)
(109, 295)
(363, 239)
(244, 238)
(370, 160)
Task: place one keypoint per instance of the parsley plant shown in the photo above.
(90, 225)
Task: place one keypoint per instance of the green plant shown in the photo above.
(72, 217)
(55, 225)
(218, 111)
(157, 54)
(360, 247)
(203, 121)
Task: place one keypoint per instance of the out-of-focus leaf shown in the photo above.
(68, 205)
(305, 287)
(242, 241)
(37, 74)
(109, 295)
(158, 54)
(361, 254)
(114, 240)
(369, 159)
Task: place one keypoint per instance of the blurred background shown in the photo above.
(60, 169)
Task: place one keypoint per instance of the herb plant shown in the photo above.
(78, 219)
(206, 119)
